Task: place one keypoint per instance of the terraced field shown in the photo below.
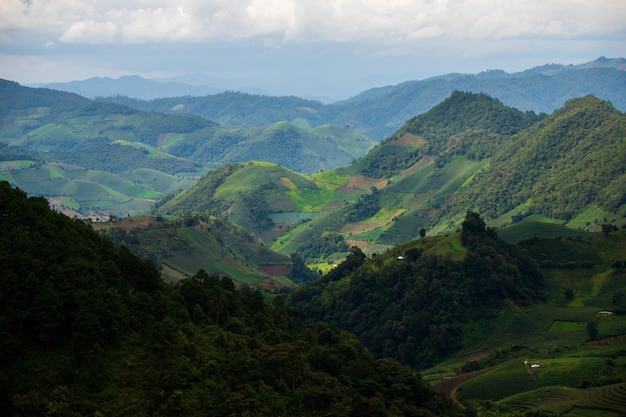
(606, 401)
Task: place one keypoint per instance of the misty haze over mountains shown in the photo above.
(134, 86)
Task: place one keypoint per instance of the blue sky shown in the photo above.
(332, 48)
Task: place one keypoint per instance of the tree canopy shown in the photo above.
(90, 329)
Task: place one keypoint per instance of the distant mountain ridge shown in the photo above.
(380, 111)
(129, 85)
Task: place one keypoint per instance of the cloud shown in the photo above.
(297, 46)
(285, 21)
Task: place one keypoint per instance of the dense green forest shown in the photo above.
(464, 124)
(90, 329)
(413, 303)
(570, 159)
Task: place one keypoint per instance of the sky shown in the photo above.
(332, 48)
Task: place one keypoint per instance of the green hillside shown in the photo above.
(80, 191)
(252, 194)
(468, 152)
(545, 170)
(575, 339)
(47, 126)
(89, 329)
(414, 302)
(68, 127)
(477, 313)
(182, 247)
(302, 150)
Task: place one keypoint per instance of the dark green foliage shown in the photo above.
(413, 308)
(592, 331)
(299, 273)
(13, 153)
(547, 166)
(355, 259)
(386, 161)
(89, 329)
(366, 206)
(256, 207)
(61, 281)
(619, 303)
(323, 246)
(473, 125)
(474, 231)
(464, 109)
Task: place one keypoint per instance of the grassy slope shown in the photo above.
(183, 250)
(423, 167)
(95, 190)
(117, 139)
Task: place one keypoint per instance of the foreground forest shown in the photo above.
(89, 329)
(414, 307)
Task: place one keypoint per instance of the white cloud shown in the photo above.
(268, 42)
(392, 21)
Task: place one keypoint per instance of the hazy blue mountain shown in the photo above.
(131, 86)
(380, 111)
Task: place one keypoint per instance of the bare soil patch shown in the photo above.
(450, 386)
(274, 270)
(285, 181)
(128, 224)
(410, 140)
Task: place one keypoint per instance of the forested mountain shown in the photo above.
(380, 111)
(569, 161)
(413, 302)
(237, 109)
(468, 152)
(90, 329)
(465, 124)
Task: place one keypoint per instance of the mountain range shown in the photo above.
(470, 152)
(132, 158)
(380, 111)
(488, 327)
(104, 157)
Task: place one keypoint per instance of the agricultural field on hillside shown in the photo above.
(567, 355)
